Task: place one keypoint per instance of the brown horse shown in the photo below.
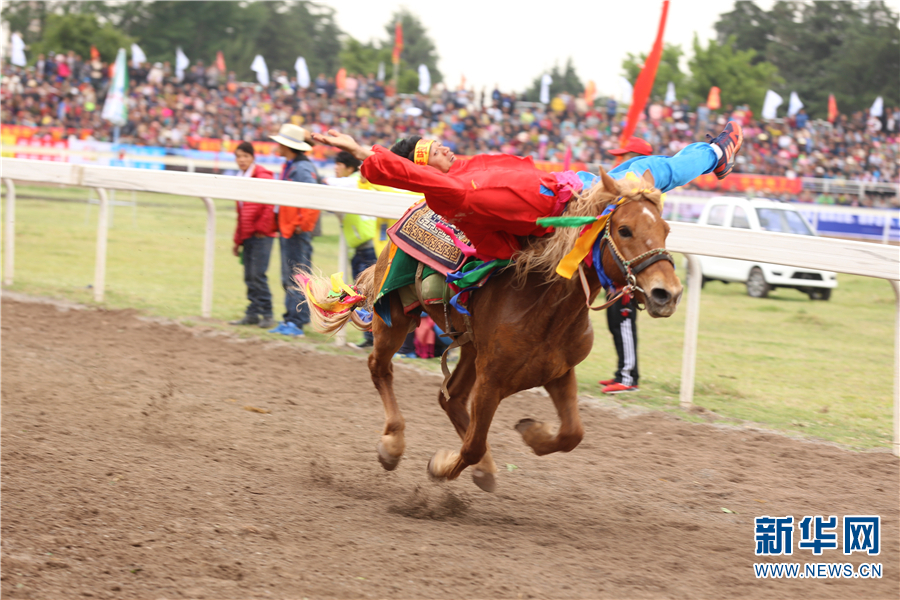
(529, 327)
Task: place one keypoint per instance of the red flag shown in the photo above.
(832, 108)
(341, 79)
(712, 101)
(644, 82)
(590, 90)
(220, 62)
(398, 42)
(95, 55)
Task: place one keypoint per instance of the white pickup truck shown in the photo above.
(760, 214)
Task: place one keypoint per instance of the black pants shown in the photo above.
(256, 260)
(622, 321)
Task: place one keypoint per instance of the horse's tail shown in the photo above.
(332, 302)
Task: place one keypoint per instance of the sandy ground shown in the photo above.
(132, 469)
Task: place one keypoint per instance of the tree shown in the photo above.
(563, 81)
(79, 32)
(733, 72)
(668, 70)
(850, 49)
(362, 59)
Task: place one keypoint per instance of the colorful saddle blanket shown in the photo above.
(426, 237)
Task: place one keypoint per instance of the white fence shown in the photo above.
(858, 258)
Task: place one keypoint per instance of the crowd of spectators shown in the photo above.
(66, 91)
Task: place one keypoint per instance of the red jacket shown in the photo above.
(253, 218)
(491, 198)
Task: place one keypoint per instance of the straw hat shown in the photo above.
(292, 136)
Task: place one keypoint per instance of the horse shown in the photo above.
(529, 327)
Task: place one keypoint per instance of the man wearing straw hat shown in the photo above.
(295, 226)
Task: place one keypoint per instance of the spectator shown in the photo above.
(359, 231)
(253, 243)
(296, 226)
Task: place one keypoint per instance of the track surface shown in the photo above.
(131, 469)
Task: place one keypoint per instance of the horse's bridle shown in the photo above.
(655, 255)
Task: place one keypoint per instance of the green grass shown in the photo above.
(819, 369)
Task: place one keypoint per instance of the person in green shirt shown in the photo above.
(359, 230)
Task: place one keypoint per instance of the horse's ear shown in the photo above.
(648, 179)
(609, 184)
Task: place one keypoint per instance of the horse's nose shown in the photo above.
(660, 295)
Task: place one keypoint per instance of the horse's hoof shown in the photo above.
(441, 456)
(387, 461)
(524, 425)
(485, 481)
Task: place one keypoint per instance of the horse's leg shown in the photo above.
(386, 343)
(459, 386)
(485, 398)
(564, 393)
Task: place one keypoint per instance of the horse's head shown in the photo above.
(635, 245)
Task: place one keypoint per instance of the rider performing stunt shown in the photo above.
(493, 198)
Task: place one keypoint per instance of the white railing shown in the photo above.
(858, 258)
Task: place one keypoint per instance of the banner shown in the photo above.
(137, 56)
(832, 108)
(181, 63)
(18, 51)
(220, 62)
(670, 94)
(262, 71)
(771, 104)
(741, 182)
(546, 80)
(712, 101)
(794, 104)
(424, 80)
(877, 107)
(115, 109)
(645, 80)
(302, 72)
(590, 92)
(398, 43)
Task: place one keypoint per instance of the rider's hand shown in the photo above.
(344, 142)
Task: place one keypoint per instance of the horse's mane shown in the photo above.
(542, 254)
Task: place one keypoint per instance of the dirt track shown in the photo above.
(131, 470)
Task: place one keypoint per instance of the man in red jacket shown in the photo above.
(254, 232)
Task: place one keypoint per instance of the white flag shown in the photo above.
(794, 104)
(302, 72)
(261, 70)
(424, 80)
(137, 56)
(877, 107)
(18, 51)
(381, 71)
(546, 80)
(670, 93)
(771, 104)
(115, 110)
(626, 91)
(181, 63)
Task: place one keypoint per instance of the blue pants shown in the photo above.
(257, 251)
(669, 172)
(363, 258)
(296, 251)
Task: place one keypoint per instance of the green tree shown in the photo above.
(733, 72)
(362, 59)
(78, 32)
(668, 70)
(850, 49)
(418, 49)
(566, 80)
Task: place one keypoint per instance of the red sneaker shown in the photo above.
(729, 141)
(618, 388)
(606, 382)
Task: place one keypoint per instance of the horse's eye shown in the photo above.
(624, 232)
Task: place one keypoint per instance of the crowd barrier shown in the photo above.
(843, 256)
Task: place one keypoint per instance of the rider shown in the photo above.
(494, 198)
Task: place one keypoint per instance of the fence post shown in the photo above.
(9, 233)
(209, 257)
(102, 233)
(340, 338)
(691, 327)
(896, 448)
